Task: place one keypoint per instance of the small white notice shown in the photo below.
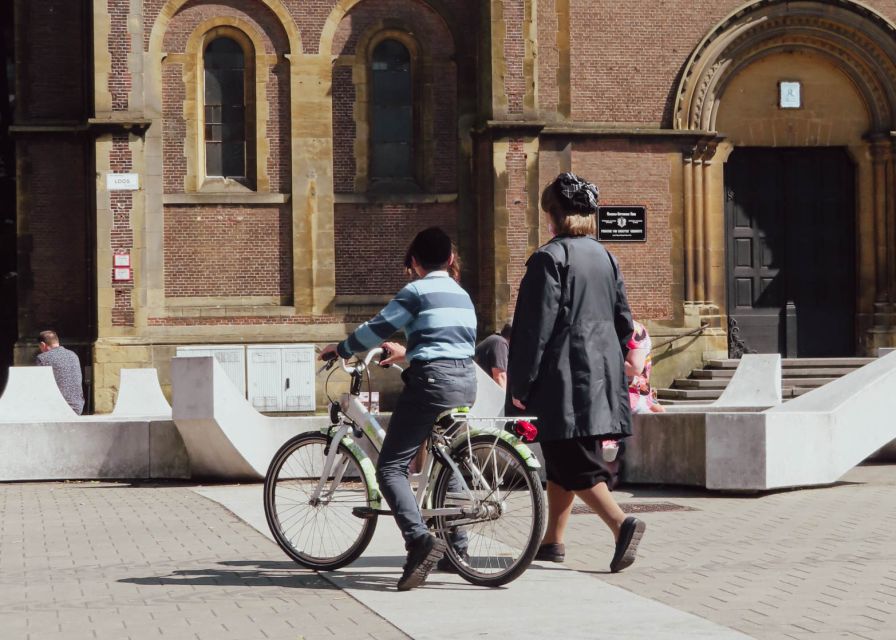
(122, 181)
(121, 275)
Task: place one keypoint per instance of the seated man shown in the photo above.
(491, 355)
(66, 369)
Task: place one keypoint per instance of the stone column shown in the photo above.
(314, 259)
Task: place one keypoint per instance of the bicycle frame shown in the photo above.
(363, 435)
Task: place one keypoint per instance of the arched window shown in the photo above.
(391, 112)
(225, 108)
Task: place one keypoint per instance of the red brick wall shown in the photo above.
(631, 174)
(228, 251)
(371, 240)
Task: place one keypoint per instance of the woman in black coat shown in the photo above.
(566, 364)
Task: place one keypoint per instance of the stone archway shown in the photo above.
(859, 45)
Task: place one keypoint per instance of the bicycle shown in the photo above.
(322, 501)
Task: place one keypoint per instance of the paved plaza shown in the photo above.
(121, 561)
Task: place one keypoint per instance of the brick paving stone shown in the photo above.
(99, 560)
(817, 563)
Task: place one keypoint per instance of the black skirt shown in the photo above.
(575, 464)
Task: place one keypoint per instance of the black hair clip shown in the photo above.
(579, 195)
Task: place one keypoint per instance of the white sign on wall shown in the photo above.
(122, 181)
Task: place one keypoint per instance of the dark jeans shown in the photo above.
(430, 388)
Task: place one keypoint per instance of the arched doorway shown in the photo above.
(790, 211)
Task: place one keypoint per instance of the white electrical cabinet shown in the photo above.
(280, 377)
(232, 359)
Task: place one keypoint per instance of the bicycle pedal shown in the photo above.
(365, 513)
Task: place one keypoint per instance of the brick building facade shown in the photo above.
(282, 215)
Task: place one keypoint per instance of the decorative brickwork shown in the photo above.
(120, 48)
(228, 251)
(514, 53)
(122, 237)
(517, 201)
(344, 130)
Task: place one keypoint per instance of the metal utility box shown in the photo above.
(232, 359)
(281, 377)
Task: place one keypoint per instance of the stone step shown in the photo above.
(721, 383)
(701, 383)
(789, 363)
(688, 394)
(808, 372)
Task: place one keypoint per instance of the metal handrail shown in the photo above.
(703, 326)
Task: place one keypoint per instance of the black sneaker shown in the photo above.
(630, 534)
(422, 555)
(445, 563)
(551, 552)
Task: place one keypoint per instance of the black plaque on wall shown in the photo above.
(621, 223)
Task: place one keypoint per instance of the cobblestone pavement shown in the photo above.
(817, 563)
(101, 560)
(106, 560)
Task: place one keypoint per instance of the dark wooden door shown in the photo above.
(790, 217)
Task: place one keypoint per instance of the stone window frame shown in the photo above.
(257, 63)
(421, 80)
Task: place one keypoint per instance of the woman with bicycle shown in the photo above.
(566, 365)
(439, 321)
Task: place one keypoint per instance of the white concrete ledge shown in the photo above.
(809, 441)
(41, 438)
(102, 448)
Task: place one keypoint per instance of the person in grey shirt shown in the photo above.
(491, 355)
(66, 369)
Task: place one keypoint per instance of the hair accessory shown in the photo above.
(579, 196)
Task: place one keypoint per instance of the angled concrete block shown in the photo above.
(140, 395)
(756, 382)
(31, 394)
(225, 437)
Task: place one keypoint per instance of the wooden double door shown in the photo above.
(791, 256)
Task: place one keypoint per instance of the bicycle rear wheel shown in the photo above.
(318, 533)
(503, 535)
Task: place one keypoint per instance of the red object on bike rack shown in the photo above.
(526, 431)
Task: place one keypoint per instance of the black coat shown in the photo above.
(570, 330)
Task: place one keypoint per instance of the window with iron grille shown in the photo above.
(391, 113)
(225, 109)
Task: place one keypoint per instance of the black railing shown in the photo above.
(693, 332)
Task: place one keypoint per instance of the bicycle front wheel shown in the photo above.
(497, 537)
(309, 511)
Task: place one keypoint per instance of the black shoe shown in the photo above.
(445, 563)
(422, 555)
(551, 552)
(630, 534)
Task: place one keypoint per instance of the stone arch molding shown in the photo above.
(858, 40)
(171, 8)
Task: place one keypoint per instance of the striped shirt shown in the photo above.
(436, 314)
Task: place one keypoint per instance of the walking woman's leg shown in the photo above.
(603, 504)
(559, 508)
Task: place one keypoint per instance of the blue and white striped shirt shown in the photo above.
(436, 314)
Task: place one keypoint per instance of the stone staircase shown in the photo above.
(799, 375)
